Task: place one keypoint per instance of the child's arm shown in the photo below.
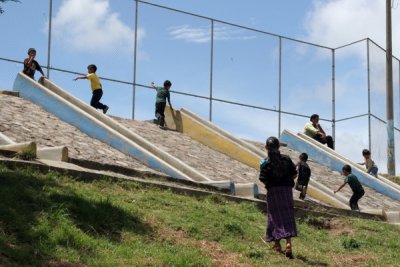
(39, 68)
(30, 60)
(169, 100)
(340, 188)
(80, 78)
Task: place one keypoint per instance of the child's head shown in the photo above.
(272, 144)
(31, 51)
(346, 170)
(167, 84)
(303, 157)
(314, 118)
(366, 153)
(92, 68)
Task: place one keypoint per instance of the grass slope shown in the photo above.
(53, 220)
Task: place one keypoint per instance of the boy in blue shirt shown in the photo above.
(161, 101)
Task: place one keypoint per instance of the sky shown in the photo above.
(245, 66)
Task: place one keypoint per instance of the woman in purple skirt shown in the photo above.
(278, 172)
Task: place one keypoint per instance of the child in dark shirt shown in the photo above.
(31, 65)
(304, 173)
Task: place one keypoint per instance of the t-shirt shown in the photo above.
(162, 95)
(94, 81)
(304, 173)
(353, 182)
(30, 70)
(271, 178)
(310, 130)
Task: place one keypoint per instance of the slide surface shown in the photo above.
(211, 135)
(97, 125)
(333, 160)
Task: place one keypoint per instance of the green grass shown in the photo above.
(53, 220)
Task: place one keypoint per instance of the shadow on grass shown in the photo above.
(32, 207)
(311, 262)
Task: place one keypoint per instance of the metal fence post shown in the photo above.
(333, 95)
(134, 60)
(49, 38)
(280, 87)
(369, 97)
(211, 70)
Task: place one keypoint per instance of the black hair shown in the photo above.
(304, 156)
(92, 66)
(272, 143)
(346, 168)
(366, 152)
(31, 49)
(167, 83)
(314, 116)
(274, 155)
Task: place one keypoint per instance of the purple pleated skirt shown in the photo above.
(280, 223)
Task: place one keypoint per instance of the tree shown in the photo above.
(3, 1)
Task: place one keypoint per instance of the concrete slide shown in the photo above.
(59, 153)
(213, 136)
(333, 160)
(97, 125)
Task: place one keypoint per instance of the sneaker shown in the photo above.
(105, 109)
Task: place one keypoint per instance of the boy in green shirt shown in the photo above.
(161, 101)
(355, 185)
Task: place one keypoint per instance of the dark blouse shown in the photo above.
(271, 177)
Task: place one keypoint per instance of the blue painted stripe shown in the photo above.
(296, 143)
(33, 91)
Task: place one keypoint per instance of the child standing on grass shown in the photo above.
(161, 102)
(369, 163)
(355, 185)
(31, 65)
(96, 88)
(304, 173)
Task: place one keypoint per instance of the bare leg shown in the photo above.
(277, 246)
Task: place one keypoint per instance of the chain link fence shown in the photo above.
(250, 82)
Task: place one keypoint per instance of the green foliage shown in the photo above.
(350, 243)
(26, 154)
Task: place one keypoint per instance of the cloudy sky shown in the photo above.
(176, 46)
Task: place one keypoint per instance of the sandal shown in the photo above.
(288, 252)
(277, 248)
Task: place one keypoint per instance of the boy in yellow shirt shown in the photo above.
(96, 88)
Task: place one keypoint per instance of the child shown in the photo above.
(304, 173)
(355, 185)
(96, 88)
(369, 163)
(31, 65)
(162, 96)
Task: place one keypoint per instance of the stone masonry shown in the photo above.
(23, 121)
